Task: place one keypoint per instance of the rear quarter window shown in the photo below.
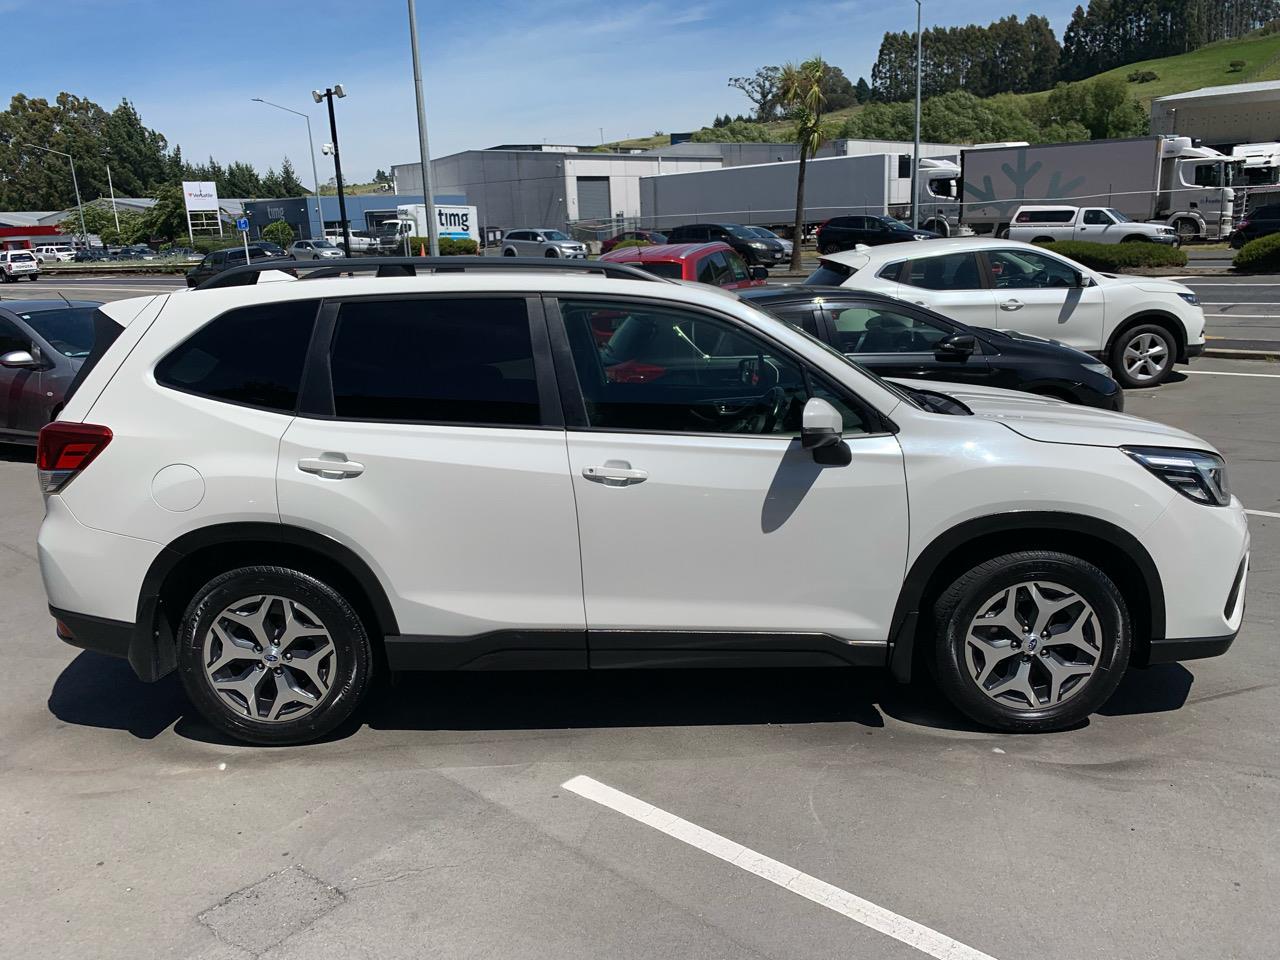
(252, 356)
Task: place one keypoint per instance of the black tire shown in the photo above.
(551, 254)
(350, 669)
(961, 602)
(1136, 238)
(1136, 335)
(508, 252)
(1036, 240)
(33, 277)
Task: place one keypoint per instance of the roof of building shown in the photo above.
(1262, 90)
(24, 218)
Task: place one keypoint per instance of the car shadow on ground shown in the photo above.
(99, 691)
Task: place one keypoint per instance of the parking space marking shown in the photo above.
(1231, 373)
(1263, 513)
(915, 935)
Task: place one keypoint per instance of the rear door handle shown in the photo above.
(1011, 305)
(331, 466)
(615, 473)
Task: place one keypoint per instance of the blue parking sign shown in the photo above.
(242, 223)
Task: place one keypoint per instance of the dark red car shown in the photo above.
(714, 263)
(648, 236)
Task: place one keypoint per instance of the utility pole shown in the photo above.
(424, 152)
(915, 156)
(328, 94)
(112, 190)
(84, 234)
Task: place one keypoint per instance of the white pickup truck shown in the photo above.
(1095, 224)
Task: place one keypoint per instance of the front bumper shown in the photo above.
(1192, 350)
(1173, 649)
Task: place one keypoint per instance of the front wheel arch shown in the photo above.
(1116, 551)
(1160, 319)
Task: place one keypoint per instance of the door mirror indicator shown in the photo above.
(958, 346)
(821, 425)
(19, 360)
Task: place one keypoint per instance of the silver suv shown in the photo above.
(542, 242)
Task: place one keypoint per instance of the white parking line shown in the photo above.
(861, 911)
(1263, 513)
(1225, 373)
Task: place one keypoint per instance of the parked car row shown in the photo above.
(219, 260)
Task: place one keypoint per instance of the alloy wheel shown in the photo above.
(1033, 645)
(1145, 357)
(269, 658)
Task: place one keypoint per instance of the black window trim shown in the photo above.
(302, 381)
(575, 407)
(317, 384)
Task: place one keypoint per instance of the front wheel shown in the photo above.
(1143, 356)
(1031, 641)
(273, 656)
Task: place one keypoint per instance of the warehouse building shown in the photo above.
(546, 187)
(1221, 116)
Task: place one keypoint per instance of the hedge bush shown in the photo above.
(1111, 257)
(1260, 254)
(449, 246)
(278, 232)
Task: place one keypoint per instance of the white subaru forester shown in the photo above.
(278, 488)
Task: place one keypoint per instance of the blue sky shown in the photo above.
(495, 71)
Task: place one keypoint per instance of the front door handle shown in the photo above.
(331, 466)
(615, 473)
(1011, 305)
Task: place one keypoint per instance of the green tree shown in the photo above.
(272, 185)
(763, 88)
(279, 232)
(735, 131)
(99, 220)
(862, 91)
(166, 220)
(290, 185)
(802, 97)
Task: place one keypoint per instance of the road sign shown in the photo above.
(242, 223)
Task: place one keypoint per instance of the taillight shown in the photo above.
(820, 226)
(64, 449)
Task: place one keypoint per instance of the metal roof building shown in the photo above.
(1221, 116)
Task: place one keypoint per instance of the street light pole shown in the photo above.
(112, 190)
(428, 196)
(328, 94)
(315, 176)
(915, 156)
(84, 234)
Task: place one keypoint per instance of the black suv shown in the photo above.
(755, 250)
(844, 233)
(1258, 223)
(214, 263)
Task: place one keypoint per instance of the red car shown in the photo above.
(648, 236)
(714, 263)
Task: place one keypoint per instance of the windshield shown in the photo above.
(1119, 217)
(672, 271)
(891, 222)
(323, 245)
(763, 232)
(68, 330)
(742, 233)
(555, 235)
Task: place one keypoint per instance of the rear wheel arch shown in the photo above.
(1115, 551)
(192, 560)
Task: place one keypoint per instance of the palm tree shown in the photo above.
(802, 99)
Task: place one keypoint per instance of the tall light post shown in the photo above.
(915, 156)
(320, 96)
(111, 189)
(315, 177)
(84, 234)
(433, 231)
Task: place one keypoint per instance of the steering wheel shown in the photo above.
(776, 402)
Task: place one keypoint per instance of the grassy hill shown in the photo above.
(1210, 66)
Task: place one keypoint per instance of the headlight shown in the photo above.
(1197, 475)
(919, 236)
(1099, 368)
(1191, 298)
(759, 244)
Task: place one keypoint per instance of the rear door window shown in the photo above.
(954, 271)
(252, 356)
(466, 360)
(875, 328)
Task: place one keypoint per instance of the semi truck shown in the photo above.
(455, 222)
(1170, 180)
(764, 194)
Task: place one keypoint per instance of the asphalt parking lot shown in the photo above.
(472, 815)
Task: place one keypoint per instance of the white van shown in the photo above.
(1095, 224)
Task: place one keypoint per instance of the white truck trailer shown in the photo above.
(1166, 180)
(764, 194)
(458, 223)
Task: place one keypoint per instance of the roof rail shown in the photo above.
(247, 275)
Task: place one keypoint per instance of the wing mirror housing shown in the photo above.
(958, 346)
(759, 273)
(821, 425)
(19, 360)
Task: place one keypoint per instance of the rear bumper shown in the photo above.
(112, 637)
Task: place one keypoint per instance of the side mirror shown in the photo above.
(1082, 280)
(958, 346)
(759, 273)
(821, 425)
(19, 360)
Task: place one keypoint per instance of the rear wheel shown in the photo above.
(508, 252)
(1187, 229)
(1031, 641)
(273, 656)
(1136, 238)
(33, 277)
(1038, 239)
(1143, 356)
